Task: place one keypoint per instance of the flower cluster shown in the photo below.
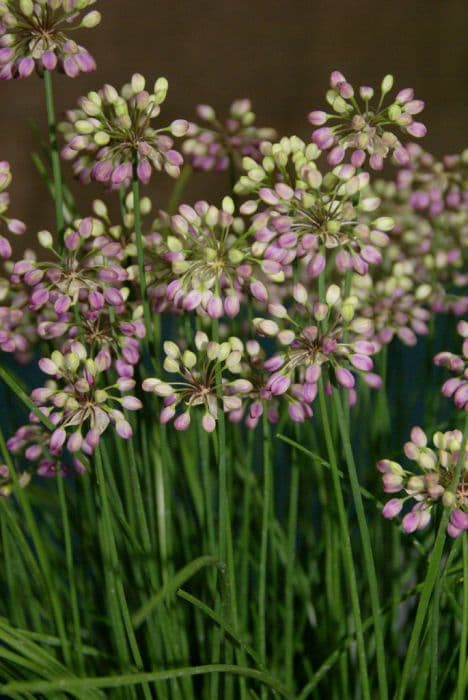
(79, 404)
(111, 133)
(310, 216)
(365, 127)
(213, 147)
(436, 481)
(199, 381)
(204, 260)
(13, 225)
(320, 337)
(456, 387)
(33, 35)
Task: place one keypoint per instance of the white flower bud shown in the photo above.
(45, 239)
(91, 20)
(387, 84)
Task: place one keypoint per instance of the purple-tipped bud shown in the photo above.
(182, 422)
(392, 508)
(317, 118)
(344, 377)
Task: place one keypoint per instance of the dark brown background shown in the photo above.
(277, 53)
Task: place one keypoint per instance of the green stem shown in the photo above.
(55, 157)
(289, 583)
(429, 583)
(461, 682)
(366, 546)
(346, 543)
(140, 253)
(78, 646)
(267, 479)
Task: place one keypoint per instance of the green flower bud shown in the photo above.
(387, 84)
(45, 239)
(137, 83)
(91, 20)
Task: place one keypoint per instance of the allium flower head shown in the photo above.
(432, 482)
(212, 147)
(393, 304)
(311, 216)
(361, 123)
(197, 383)
(33, 35)
(89, 271)
(112, 130)
(204, 261)
(79, 401)
(13, 225)
(320, 337)
(456, 387)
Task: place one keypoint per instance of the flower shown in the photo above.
(198, 384)
(433, 482)
(310, 216)
(79, 403)
(111, 131)
(203, 260)
(89, 271)
(212, 147)
(391, 303)
(13, 225)
(365, 127)
(457, 386)
(317, 336)
(33, 35)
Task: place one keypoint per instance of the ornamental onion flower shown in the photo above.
(212, 147)
(33, 35)
(319, 338)
(14, 226)
(79, 401)
(203, 260)
(111, 131)
(456, 387)
(312, 216)
(433, 482)
(197, 385)
(365, 126)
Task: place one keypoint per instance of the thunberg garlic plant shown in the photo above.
(205, 404)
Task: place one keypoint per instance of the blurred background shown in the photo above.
(277, 53)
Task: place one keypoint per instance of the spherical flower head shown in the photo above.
(363, 124)
(319, 339)
(213, 146)
(389, 300)
(310, 216)
(456, 387)
(33, 36)
(204, 261)
(80, 402)
(111, 135)
(440, 475)
(88, 273)
(14, 226)
(197, 383)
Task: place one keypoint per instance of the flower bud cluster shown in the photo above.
(80, 404)
(14, 226)
(311, 216)
(110, 133)
(362, 124)
(319, 338)
(197, 386)
(203, 260)
(456, 387)
(212, 147)
(33, 36)
(433, 482)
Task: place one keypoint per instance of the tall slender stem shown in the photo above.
(461, 682)
(54, 155)
(140, 253)
(346, 543)
(267, 478)
(366, 547)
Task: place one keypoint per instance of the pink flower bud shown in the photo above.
(392, 508)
